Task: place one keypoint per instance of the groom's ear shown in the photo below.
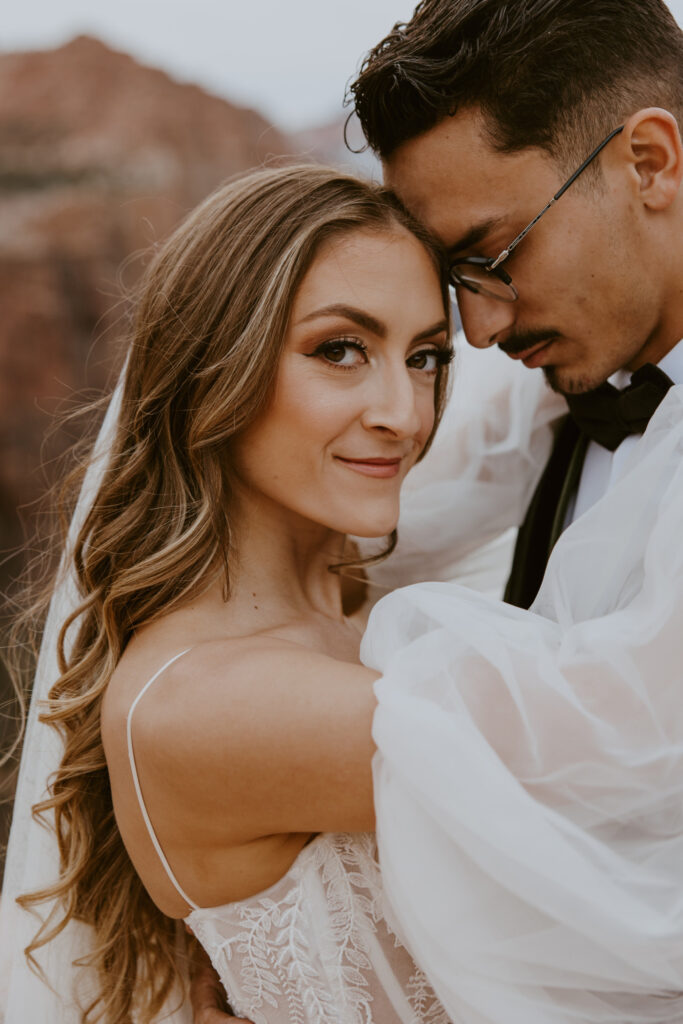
(651, 146)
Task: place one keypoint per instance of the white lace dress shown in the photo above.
(314, 948)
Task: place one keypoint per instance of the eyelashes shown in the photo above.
(336, 347)
(442, 356)
(348, 353)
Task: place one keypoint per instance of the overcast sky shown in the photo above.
(290, 59)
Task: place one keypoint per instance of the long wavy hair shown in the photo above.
(206, 340)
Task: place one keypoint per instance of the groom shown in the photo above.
(539, 140)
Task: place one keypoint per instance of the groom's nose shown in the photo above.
(484, 320)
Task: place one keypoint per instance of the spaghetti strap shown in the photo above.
(136, 780)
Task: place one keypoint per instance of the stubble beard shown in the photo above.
(578, 382)
(563, 380)
(571, 386)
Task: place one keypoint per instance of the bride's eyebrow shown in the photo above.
(439, 328)
(357, 316)
(370, 323)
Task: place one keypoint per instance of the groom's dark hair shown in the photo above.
(557, 74)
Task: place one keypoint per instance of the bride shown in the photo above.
(288, 367)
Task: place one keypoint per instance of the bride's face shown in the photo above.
(353, 404)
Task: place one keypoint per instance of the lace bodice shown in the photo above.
(315, 948)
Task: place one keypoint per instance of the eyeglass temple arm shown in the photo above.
(515, 242)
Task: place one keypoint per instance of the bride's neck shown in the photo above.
(282, 560)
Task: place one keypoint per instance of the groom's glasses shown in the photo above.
(487, 276)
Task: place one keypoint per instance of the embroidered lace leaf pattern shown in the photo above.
(303, 952)
(260, 985)
(428, 1010)
(303, 979)
(275, 963)
(347, 869)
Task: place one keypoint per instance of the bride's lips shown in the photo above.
(384, 468)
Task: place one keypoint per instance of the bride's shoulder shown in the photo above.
(252, 712)
(176, 688)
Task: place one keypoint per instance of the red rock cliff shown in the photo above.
(99, 158)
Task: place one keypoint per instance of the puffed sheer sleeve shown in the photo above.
(529, 774)
(476, 481)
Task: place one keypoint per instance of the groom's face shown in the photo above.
(588, 297)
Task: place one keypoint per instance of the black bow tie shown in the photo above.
(608, 415)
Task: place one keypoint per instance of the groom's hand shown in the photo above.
(206, 993)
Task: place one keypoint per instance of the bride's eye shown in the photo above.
(345, 352)
(430, 359)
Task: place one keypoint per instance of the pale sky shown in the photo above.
(290, 59)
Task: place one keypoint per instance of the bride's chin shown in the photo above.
(376, 531)
(370, 524)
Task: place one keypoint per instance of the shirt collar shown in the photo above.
(671, 364)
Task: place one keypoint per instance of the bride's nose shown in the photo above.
(391, 403)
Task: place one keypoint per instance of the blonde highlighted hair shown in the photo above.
(206, 340)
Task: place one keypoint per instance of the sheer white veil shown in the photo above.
(32, 855)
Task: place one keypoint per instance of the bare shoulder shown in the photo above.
(244, 678)
(245, 722)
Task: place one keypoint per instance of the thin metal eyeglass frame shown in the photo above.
(492, 264)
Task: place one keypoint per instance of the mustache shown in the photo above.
(520, 341)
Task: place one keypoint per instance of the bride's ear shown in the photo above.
(651, 145)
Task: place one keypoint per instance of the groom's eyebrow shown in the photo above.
(474, 235)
